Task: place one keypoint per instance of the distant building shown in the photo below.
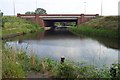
(119, 8)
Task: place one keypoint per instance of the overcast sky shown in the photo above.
(110, 7)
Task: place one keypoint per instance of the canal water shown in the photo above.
(91, 50)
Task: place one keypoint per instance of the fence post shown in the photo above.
(62, 59)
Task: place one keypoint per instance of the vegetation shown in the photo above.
(0, 60)
(101, 26)
(13, 25)
(40, 11)
(94, 32)
(1, 14)
(37, 11)
(65, 24)
(30, 12)
(19, 64)
(13, 65)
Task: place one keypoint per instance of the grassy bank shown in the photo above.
(101, 26)
(18, 65)
(14, 25)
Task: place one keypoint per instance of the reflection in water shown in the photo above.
(110, 43)
(78, 49)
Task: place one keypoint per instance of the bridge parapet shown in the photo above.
(57, 15)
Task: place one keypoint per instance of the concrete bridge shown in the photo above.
(46, 20)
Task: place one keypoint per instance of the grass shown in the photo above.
(107, 22)
(94, 31)
(11, 67)
(0, 59)
(13, 25)
(101, 26)
(19, 64)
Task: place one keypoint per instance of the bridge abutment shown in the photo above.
(39, 20)
(81, 19)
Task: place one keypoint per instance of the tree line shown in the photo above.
(37, 11)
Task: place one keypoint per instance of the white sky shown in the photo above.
(110, 7)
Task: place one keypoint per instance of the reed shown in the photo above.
(19, 64)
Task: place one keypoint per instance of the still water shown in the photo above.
(95, 51)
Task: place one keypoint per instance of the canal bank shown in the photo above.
(7, 37)
(101, 27)
(13, 26)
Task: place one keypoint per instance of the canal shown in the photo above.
(90, 50)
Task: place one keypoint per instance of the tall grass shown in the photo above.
(107, 22)
(19, 64)
(13, 25)
(94, 32)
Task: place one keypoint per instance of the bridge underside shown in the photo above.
(49, 23)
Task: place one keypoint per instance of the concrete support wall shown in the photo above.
(78, 21)
(81, 19)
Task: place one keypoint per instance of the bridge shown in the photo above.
(46, 20)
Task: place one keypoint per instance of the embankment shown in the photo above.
(13, 26)
(101, 26)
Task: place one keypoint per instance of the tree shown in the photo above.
(28, 12)
(37, 11)
(40, 11)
